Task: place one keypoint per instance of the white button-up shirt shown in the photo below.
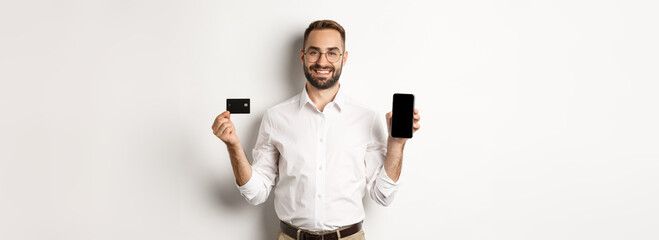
(322, 163)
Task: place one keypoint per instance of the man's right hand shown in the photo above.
(224, 129)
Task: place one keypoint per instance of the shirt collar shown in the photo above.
(339, 98)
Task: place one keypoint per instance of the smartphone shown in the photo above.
(402, 119)
(238, 105)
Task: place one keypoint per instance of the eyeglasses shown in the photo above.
(333, 55)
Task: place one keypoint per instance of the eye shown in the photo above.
(313, 53)
(333, 53)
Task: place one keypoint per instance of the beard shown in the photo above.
(322, 82)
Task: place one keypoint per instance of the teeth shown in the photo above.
(322, 72)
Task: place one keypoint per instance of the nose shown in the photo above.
(322, 61)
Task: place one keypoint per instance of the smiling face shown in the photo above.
(323, 74)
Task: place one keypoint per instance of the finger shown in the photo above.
(416, 126)
(388, 117)
(222, 115)
(229, 127)
(225, 114)
(215, 127)
(223, 120)
(416, 111)
(219, 133)
(218, 122)
(226, 131)
(417, 117)
(215, 124)
(222, 128)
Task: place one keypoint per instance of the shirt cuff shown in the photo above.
(386, 185)
(251, 188)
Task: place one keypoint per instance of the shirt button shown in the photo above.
(320, 168)
(321, 140)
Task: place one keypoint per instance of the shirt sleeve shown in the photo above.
(264, 167)
(380, 187)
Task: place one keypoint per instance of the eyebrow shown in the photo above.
(317, 48)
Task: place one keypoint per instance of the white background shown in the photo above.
(539, 117)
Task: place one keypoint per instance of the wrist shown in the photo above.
(396, 142)
(233, 146)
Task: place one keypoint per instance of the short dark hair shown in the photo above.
(325, 24)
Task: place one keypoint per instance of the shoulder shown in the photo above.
(283, 107)
(357, 107)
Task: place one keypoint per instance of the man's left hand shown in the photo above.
(415, 127)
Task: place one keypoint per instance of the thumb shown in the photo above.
(388, 117)
(226, 114)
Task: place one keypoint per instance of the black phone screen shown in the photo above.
(402, 118)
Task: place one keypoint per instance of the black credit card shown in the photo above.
(402, 119)
(238, 105)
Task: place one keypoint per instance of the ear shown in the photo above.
(345, 57)
(302, 55)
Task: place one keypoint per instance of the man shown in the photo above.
(322, 150)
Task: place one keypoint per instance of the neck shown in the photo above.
(321, 97)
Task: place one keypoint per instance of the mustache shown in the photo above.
(318, 67)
